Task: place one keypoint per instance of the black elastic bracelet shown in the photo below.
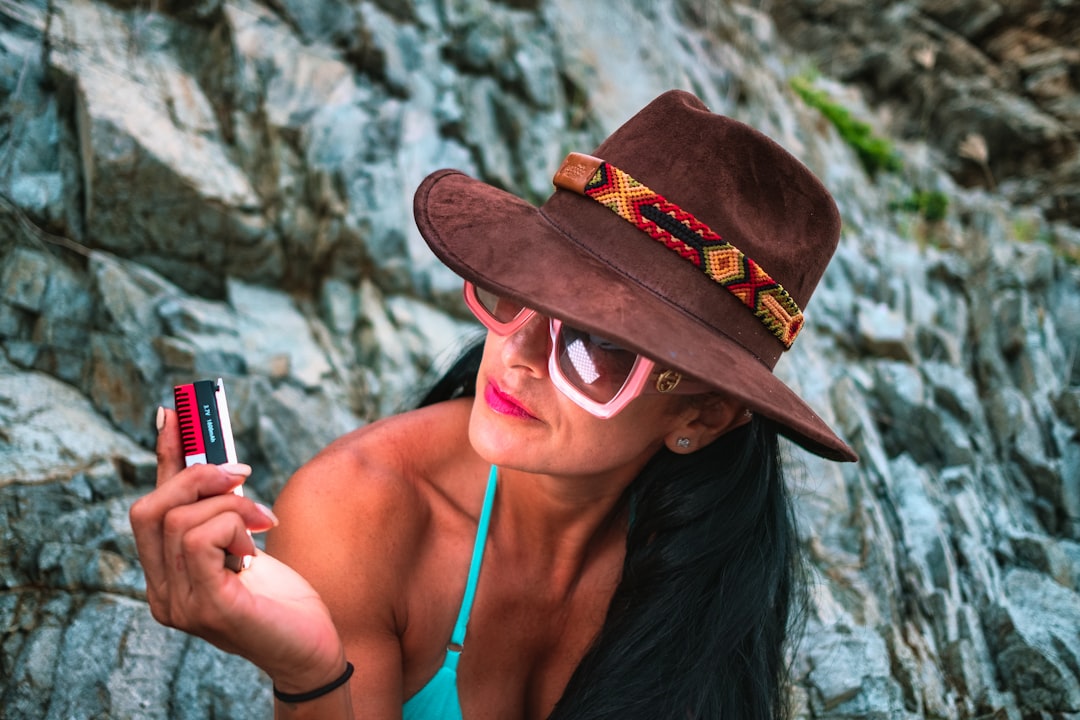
(317, 692)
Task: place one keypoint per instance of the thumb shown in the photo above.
(170, 453)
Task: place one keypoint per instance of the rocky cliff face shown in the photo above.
(224, 188)
(950, 72)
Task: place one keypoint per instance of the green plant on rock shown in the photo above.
(931, 205)
(875, 153)
(1027, 229)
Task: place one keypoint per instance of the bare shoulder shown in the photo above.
(355, 522)
(386, 460)
(371, 494)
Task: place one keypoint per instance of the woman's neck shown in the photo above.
(559, 526)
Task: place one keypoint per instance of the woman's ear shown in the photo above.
(704, 421)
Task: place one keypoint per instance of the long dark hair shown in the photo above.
(711, 584)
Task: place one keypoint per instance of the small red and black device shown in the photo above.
(205, 430)
(206, 434)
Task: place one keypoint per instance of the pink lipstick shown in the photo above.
(504, 404)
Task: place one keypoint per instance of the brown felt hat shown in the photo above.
(686, 236)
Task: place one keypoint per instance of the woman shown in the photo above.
(588, 519)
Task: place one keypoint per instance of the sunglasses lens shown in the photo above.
(499, 308)
(596, 367)
(587, 368)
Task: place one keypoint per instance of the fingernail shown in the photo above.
(239, 469)
(267, 512)
(160, 419)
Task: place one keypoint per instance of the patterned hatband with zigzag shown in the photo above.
(696, 242)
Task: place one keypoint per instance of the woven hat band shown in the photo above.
(687, 236)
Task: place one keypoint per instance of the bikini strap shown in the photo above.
(457, 639)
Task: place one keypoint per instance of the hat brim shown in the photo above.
(503, 243)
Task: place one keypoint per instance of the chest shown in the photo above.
(526, 633)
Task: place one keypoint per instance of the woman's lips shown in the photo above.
(504, 404)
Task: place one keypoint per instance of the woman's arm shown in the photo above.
(268, 613)
(350, 524)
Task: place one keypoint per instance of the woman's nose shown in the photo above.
(528, 346)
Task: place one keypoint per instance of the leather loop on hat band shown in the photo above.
(690, 238)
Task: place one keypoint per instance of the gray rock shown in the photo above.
(24, 279)
(1037, 643)
(293, 425)
(850, 677)
(210, 683)
(33, 672)
(219, 189)
(948, 69)
(922, 530)
(884, 333)
(274, 337)
(37, 414)
(955, 391)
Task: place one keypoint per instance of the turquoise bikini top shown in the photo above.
(438, 700)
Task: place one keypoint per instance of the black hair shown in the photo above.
(712, 583)
(697, 625)
(459, 380)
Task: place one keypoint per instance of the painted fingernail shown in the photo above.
(240, 469)
(159, 421)
(267, 512)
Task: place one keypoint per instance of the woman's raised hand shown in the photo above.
(267, 613)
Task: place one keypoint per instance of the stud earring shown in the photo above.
(683, 442)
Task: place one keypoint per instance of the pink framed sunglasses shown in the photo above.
(596, 374)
